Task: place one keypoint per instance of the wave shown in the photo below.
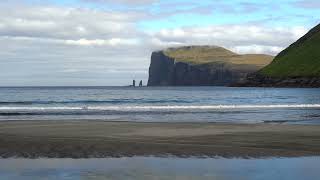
(291, 121)
(115, 101)
(15, 103)
(169, 107)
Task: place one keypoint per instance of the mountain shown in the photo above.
(296, 66)
(202, 65)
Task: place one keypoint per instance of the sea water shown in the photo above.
(138, 168)
(162, 104)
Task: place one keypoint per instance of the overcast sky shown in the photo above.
(109, 42)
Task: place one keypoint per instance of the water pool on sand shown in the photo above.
(160, 168)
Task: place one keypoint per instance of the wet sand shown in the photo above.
(97, 139)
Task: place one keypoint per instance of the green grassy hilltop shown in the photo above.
(206, 55)
(301, 59)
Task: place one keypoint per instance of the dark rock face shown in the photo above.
(160, 70)
(258, 80)
(165, 71)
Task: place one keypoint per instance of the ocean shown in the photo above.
(162, 104)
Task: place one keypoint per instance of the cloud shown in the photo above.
(59, 45)
(309, 4)
(66, 23)
(125, 2)
(241, 38)
(100, 42)
(251, 7)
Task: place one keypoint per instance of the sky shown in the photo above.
(109, 42)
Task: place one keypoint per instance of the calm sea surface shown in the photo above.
(138, 168)
(162, 104)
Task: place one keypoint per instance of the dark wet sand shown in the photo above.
(88, 139)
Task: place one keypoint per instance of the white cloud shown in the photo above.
(127, 2)
(257, 49)
(101, 42)
(309, 4)
(241, 38)
(66, 23)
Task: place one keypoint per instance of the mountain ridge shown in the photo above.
(300, 59)
(296, 66)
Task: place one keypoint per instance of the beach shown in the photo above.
(97, 139)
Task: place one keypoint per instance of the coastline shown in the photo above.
(258, 80)
(99, 139)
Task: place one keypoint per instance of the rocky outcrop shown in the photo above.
(166, 71)
(258, 80)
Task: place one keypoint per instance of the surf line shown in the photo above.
(162, 107)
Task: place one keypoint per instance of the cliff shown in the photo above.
(296, 66)
(202, 66)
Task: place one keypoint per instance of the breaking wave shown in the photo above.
(169, 107)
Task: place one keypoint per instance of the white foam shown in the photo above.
(213, 107)
(169, 107)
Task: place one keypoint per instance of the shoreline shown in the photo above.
(103, 139)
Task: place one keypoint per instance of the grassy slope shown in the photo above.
(301, 59)
(204, 55)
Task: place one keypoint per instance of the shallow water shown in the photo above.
(161, 168)
(162, 104)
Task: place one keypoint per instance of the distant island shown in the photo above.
(202, 66)
(296, 66)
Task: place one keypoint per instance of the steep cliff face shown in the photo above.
(177, 67)
(166, 71)
(161, 70)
